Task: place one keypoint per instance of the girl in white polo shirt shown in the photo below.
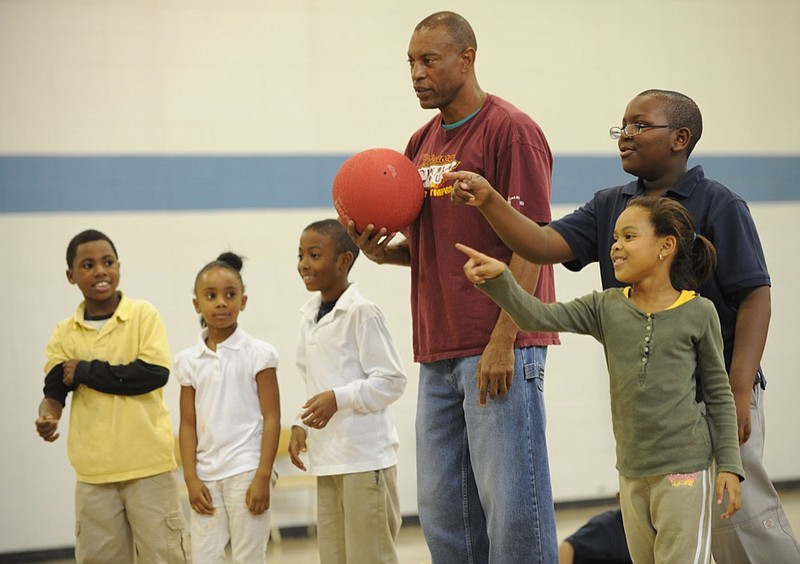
(230, 422)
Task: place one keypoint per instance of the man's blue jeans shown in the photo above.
(483, 481)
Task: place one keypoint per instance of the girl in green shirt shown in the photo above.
(660, 339)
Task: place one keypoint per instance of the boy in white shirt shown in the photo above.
(352, 372)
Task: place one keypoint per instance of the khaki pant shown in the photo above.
(668, 518)
(358, 517)
(114, 521)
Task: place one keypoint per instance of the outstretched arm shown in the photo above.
(480, 267)
(531, 241)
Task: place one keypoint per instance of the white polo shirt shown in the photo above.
(228, 413)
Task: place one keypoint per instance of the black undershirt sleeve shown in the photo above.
(54, 386)
(131, 379)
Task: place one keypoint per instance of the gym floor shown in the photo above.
(411, 544)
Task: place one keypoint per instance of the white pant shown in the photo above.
(231, 521)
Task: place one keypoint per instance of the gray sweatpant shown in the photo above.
(759, 531)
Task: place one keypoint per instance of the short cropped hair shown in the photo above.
(681, 111)
(458, 28)
(337, 233)
(86, 237)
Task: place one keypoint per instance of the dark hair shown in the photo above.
(342, 243)
(86, 237)
(228, 261)
(458, 28)
(681, 111)
(695, 256)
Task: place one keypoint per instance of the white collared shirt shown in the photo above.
(227, 410)
(350, 351)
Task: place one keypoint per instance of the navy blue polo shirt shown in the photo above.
(719, 214)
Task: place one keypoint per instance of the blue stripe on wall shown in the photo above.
(756, 179)
(156, 183)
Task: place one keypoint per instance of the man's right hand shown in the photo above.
(374, 244)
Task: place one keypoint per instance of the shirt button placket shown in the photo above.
(648, 333)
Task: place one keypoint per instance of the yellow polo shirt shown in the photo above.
(113, 438)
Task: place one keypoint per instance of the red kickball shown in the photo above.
(378, 186)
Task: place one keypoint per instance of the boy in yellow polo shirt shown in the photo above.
(113, 355)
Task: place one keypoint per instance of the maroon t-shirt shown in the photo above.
(451, 318)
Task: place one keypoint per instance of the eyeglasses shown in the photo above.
(634, 129)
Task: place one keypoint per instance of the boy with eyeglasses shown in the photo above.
(660, 129)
